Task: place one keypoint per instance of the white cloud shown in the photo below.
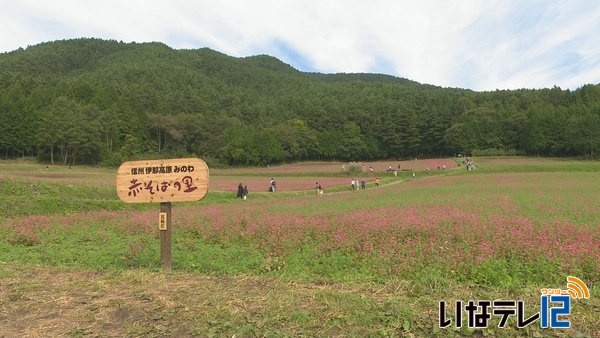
(476, 44)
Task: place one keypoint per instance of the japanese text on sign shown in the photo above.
(161, 170)
(162, 180)
(162, 221)
(154, 187)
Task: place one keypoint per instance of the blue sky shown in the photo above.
(474, 44)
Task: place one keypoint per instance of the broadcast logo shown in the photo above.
(480, 312)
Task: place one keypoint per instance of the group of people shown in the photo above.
(355, 184)
(242, 191)
(362, 185)
(319, 189)
(467, 162)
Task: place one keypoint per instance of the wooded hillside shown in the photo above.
(97, 101)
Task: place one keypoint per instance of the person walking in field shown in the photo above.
(272, 185)
(245, 193)
(352, 185)
(363, 184)
(376, 182)
(319, 189)
(240, 191)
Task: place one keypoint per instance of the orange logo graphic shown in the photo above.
(576, 288)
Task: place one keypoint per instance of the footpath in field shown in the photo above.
(303, 176)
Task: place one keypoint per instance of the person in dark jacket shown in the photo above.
(240, 192)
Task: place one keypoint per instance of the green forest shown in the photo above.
(103, 102)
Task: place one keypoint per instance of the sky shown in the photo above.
(483, 45)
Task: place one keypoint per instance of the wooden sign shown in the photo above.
(159, 181)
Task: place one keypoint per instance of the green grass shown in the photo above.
(268, 284)
(533, 165)
(25, 197)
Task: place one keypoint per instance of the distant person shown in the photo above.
(376, 182)
(245, 193)
(272, 185)
(352, 184)
(363, 184)
(319, 189)
(240, 192)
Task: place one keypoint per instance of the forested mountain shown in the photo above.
(98, 101)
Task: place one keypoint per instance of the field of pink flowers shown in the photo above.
(284, 183)
(505, 228)
(257, 179)
(228, 179)
(501, 229)
(336, 167)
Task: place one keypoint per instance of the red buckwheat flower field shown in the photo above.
(506, 225)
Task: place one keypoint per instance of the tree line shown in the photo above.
(105, 102)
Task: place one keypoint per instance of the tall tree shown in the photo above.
(165, 130)
(584, 130)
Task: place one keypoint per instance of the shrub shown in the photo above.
(354, 169)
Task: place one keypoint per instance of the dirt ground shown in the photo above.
(50, 302)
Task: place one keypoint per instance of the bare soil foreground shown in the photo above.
(46, 302)
(50, 302)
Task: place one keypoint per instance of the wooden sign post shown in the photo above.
(164, 226)
(163, 181)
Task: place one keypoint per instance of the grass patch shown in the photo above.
(363, 263)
